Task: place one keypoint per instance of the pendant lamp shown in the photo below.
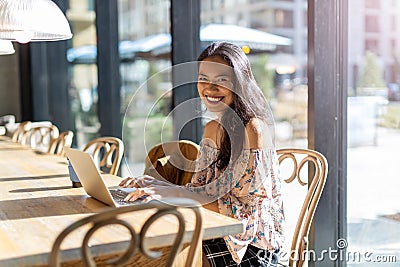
(6, 48)
(32, 20)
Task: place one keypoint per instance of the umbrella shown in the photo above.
(86, 54)
(242, 36)
(159, 45)
(156, 44)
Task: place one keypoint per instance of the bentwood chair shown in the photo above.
(112, 217)
(57, 144)
(7, 119)
(173, 161)
(6, 122)
(20, 131)
(314, 163)
(107, 151)
(40, 136)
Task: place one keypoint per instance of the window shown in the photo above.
(393, 23)
(83, 73)
(373, 4)
(145, 81)
(393, 45)
(371, 133)
(371, 23)
(283, 18)
(372, 46)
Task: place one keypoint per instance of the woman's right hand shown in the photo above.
(141, 181)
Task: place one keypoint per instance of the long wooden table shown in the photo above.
(37, 202)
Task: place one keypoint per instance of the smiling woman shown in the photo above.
(236, 171)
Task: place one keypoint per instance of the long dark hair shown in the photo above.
(248, 101)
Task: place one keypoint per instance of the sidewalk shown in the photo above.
(373, 190)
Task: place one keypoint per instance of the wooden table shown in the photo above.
(37, 202)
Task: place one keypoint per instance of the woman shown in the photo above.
(236, 170)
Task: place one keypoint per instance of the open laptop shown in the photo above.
(92, 181)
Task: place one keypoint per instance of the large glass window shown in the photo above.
(145, 46)
(83, 71)
(373, 137)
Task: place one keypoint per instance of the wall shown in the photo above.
(9, 86)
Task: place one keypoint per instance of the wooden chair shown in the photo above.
(108, 151)
(6, 119)
(57, 144)
(173, 161)
(40, 136)
(316, 182)
(6, 122)
(20, 131)
(91, 224)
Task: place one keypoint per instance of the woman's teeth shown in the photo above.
(213, 99)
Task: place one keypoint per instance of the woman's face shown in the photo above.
(215, 82)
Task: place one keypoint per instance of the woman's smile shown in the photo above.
(214, 99)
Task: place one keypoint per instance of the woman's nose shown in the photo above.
(212, 86)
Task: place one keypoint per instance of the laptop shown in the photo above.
(93, 183)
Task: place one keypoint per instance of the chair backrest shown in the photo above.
(173, 161)
(57, 144)
(20, 131)
(40, 136)
(111, 217)
(6, 119)
(108, 150)
(301, 158)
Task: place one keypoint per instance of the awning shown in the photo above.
(159, 45)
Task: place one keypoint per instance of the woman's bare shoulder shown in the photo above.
(211, 130)
(254, 131)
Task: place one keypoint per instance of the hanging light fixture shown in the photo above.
(32, 20)
(6, 48)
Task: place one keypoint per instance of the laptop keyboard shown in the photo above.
(119, 196)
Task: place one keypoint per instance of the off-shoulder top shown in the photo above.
(248, 190)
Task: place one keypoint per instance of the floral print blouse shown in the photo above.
(248, 190)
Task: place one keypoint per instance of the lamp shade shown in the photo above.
(6, 48)
(32, 20)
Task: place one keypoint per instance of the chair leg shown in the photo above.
(204, 260)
